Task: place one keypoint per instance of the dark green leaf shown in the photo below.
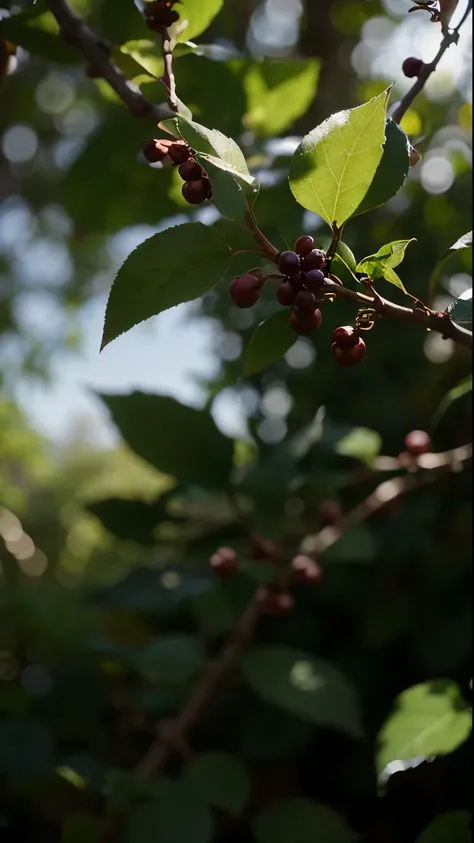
(175, 266)
(392, 170)
(38, 35)
(458, 392)
(130, 520)
(232, 192)
(120, 21)
(269, 342)
(334, 166)
(81, 827)
(461, 309)
(220, 779)
(304, 685)
(195, 16)
(176, 815)
(172, 659)
(345, 255)
(175, 439)
(301, 821)
(214, 143)
(26, 749)
(278, 92)
(149, 590)
(428, 719)
(453, 827)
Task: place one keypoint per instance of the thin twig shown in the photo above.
(450, 37)
(158, 754)
(168, 77)
(253, 228)
(431, 465)
(75, 31)
(439, 322)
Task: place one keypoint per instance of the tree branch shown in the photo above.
(428, 319)
(449, 38)
(431, 465)
(75, 31)
(168, 77)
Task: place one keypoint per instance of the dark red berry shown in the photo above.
(195, 192)
(179, 152)
(305, 570)
(224, 562)
(304, 245)
(289, 263)
(313, 279)
(305, 321)
(328, 513)
(313, 260)
(275, 603)
(349, 356)
(190, 170)
(417, 442)
(286, 294)
(305, 300)
(346, 336)
(155, 149)
(412, 67)
(405, 459)
(245, 289)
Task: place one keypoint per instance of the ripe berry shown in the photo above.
(346, 336)
(179, 151)
(305, 300)
(159, 14)
(289, 263)
(286, 294)
(412, 67)
(190, 170)
(155, 149)
(417, 442)
(313, 279)
(328, 513)
(296, 280)
(224, 562)
(313, 260)
(195, 192)
(275, 603)
(305, 321)
(305, 570)
(349, 356)
(245, 289)
(304, 245)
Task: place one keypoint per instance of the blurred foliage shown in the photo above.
(108, 610)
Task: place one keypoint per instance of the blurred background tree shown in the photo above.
(107, 609)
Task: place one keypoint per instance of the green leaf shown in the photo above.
(304, 685)
(392, 170)
(176, 815)
(361, 443)
(39, 35)
(80, 827)
(428, 719)
(172, 659)
(26, 748)
(214, 143)
(460, 310)
(232, 192)
(150, 590)
(334, 165)
(130, 520)
(220, 779)
(176, 439)
(119, 21)
(346, 256)
(300, 821)
(278, 93)
(146, 60)
(195, 16)
(464, 242)
(177, 265)
(454, 826)
(453, 396)
(270, 341)
(382, 263)
(356, 545)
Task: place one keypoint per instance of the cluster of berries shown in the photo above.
(160, 13)
(273, 599)
(197, 187)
